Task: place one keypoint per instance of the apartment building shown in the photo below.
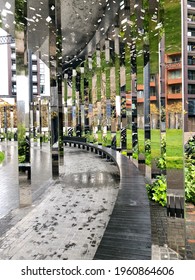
(189, 63)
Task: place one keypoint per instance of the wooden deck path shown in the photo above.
(128, 233)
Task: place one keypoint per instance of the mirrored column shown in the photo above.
(23, 136)
(118, 90)
(108, 101)
(174, 122)
(53, 88)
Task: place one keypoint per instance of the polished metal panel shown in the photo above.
(23, 108)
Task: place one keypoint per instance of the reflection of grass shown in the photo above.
(129, 139)
(118, 139)
(155, 143)
(172, 25)
(174, 148)
(109, 138)
(99, 137)
(2, 156)
(141, 140)
(106, 140)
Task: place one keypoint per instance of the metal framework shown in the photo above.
(6, 40)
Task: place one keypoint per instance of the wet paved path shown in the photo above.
(69, 220)
(9, 195)
(69, 202)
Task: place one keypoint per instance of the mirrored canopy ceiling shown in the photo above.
(80, 22)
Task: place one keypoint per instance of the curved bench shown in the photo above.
(128, 233)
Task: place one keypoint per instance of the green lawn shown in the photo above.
(141, 141)
(174, 148)
(155, 143)
(129, 139)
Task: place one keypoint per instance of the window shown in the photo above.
(191, 17)
(42, 89)
(191, 46)
(191, 60)
(175, 74)
(34, 78)
(191, 107)
(175, 89)
(34, 57)
(14, 78)
(34, 67)
(191, 3)
(191, 74)
(13, 89)
(191, 32)
(152, 91)
(42, 70)
(191, 88)
(140, 94)
(42, 79)
(34, 89)
(176, 58)
(152, 78)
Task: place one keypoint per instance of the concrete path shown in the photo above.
(69, 220)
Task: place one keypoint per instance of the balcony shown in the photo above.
(173, 65)
(172, 81)
(152, 98)
(152, 83)
(174, 95)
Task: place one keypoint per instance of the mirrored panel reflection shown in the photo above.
(154, 81)
(174, 114)
(23, 99)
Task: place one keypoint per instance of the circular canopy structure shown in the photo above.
(81, 21)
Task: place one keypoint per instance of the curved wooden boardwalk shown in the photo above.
(128, 233)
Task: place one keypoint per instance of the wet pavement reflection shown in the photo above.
(10, 195)
(68, 220)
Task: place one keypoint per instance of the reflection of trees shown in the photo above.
(44, 115)
(174, 114)
(5, 112)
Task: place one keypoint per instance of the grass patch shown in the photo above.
(141, 140)
(155, 143)
(174, 149)
(118, 139)
(129, 139)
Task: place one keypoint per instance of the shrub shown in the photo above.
(190, 147)
(157, 190)
(190, 180)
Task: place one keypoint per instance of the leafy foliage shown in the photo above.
(190, 147)
(22, 144)
(157, 190)
(190, 181)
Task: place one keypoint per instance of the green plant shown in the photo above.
(161, 161)
(157, 190)
(10, 135)
(190, 147)
(190, 180)
(148, 146)
(22, 144)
